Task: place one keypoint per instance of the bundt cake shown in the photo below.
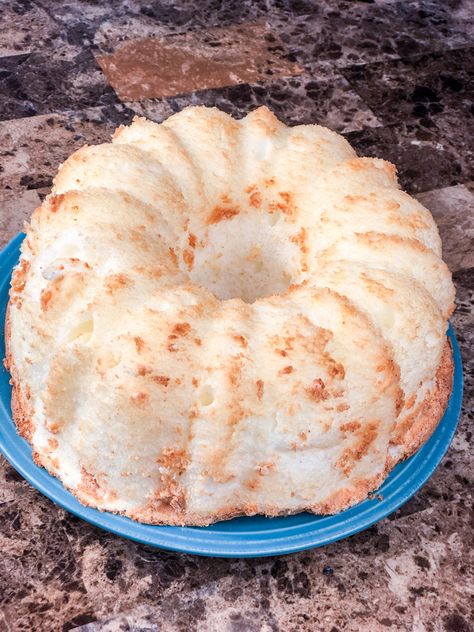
(213, 318)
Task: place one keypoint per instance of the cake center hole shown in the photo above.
(244, 258)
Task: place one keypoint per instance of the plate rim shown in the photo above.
(416, 471)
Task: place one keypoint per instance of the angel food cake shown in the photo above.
(213, 318)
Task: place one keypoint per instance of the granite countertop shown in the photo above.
(396, 78)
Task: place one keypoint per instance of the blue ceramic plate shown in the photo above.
(241, 537)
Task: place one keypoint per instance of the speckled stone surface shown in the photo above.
(396, 78)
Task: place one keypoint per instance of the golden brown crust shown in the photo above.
(347, 496)
(423, 423)
(220, 213)
(417, 427)
(21, 411)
